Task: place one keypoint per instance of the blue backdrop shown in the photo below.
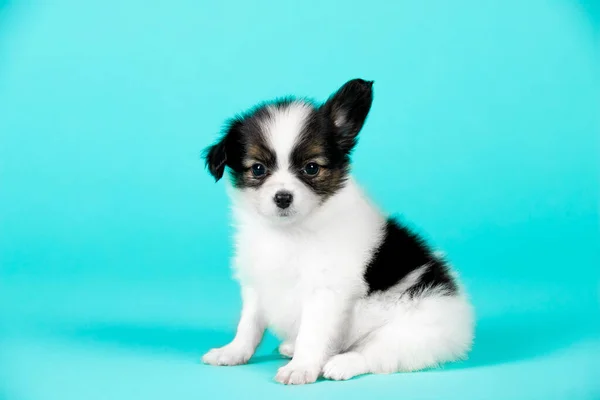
(114, 242)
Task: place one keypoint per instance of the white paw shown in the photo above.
(295, 373)
(286, 349)
(344, 366)
(227, 355)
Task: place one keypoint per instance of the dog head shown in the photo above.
(287, 157)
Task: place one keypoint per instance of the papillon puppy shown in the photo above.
(347, 289)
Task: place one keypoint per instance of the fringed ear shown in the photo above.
(219, 155)
(215, 157)
(347, 109)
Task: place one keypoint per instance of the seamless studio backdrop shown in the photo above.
(115, 243)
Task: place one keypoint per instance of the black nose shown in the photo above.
(283, 199)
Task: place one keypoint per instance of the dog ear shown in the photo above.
(347, 110)
(218, 156)
(215, 157)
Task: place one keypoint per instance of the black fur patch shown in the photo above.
(400, 253)
(243, 143)
(317, 143)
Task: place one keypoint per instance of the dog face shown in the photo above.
(287, 157)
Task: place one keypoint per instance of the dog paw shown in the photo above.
(344, 366)
(227, 355)
(297, 374)
(286, 349)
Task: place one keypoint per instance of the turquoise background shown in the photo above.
(114, 242)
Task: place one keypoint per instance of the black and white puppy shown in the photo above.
(348, 290)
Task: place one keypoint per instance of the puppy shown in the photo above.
(348, 290)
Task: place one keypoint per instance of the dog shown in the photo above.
(349, 290)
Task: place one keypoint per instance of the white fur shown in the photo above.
(304, 279)
(283, 127)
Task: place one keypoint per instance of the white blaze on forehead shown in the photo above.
(284, 127)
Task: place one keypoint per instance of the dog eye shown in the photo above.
(311, 169)
(258, 170)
